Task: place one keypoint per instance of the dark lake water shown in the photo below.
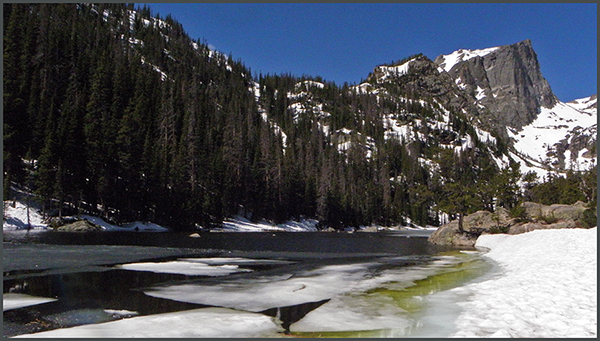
(78, 269)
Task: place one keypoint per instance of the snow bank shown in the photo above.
(547, 287)
(393, 71)
(14, 301)
(205, 322)
(16, 217)
(141, 226)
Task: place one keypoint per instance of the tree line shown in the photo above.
(129, 118)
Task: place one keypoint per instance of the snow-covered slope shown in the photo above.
(560, 137)
(15, 219)
(18, 217)
(512, 96)
(384, 72)
(587, 104)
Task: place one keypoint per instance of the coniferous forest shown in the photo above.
(112, 110)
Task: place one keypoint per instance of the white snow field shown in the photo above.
(548, 287)
(241, 224)
(16, 219)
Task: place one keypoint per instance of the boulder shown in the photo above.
(473, 226)
(538, 216)
(79, 226)
(530, 226)
(557, 211)
(449, 235)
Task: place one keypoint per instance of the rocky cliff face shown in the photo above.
(422, 76)
(506, 83)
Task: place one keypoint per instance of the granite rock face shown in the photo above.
(507, 82)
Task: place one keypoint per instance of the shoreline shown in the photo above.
(547, 287)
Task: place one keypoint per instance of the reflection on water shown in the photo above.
(107, 293)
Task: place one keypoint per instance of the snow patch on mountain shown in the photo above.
(385, 72)
(587, 104)
(539, 141)
(461, 55)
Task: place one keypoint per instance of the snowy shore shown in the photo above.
(19, 218)
(547, 287)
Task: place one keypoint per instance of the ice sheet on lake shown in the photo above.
(236, 261)
(205, 322)
(355, 313)
(547, 287)
(15, 301)
(269, 291)
(184, 267)
(265, 292)
(360, 311)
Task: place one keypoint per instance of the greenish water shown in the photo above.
(413, 297)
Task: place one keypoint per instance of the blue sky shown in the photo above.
(344, 42)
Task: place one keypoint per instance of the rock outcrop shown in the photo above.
(79, 226)
(506, 81)
(422, 76)
(473, 225)
(536, 216)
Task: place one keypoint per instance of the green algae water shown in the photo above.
(413, 297)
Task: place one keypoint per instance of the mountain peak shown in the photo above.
(506, 80)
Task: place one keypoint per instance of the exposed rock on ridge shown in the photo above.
(422, 76)
(507, 82)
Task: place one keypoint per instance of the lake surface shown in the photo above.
(295, 277)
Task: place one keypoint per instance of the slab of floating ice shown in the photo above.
(205, 322)
(190, 268)
(236, 260)
(120, 312)
(269, 291)
(363, 310)
(355, 313)
(15, 301)
(265, 292)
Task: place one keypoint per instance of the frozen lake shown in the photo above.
(259, 284)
